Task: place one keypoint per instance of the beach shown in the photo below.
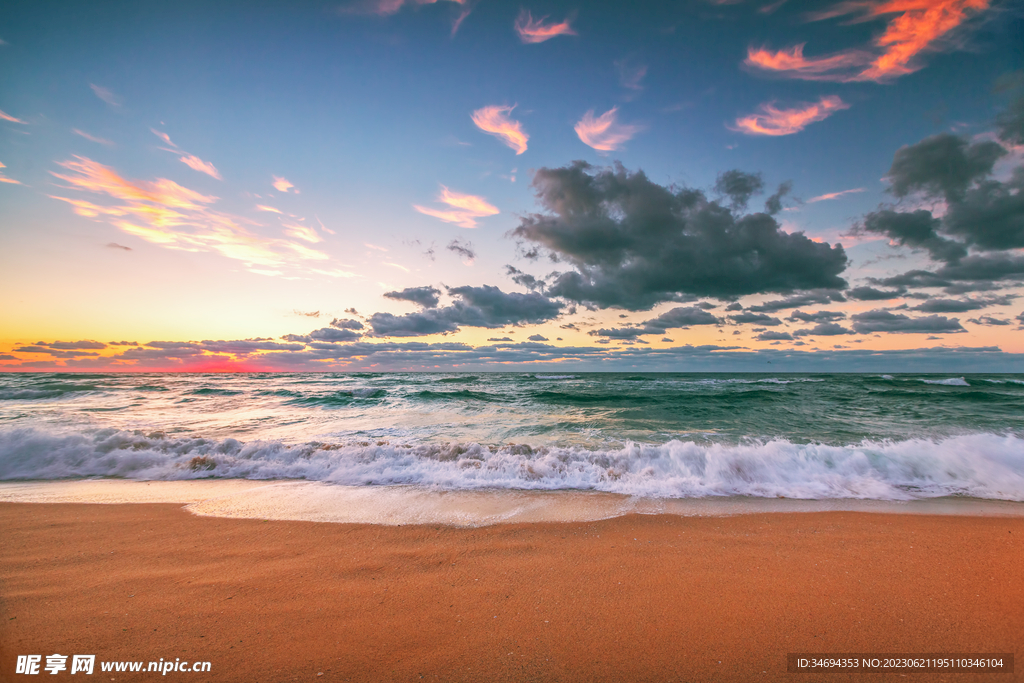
(635, 597)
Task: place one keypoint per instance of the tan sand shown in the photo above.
(636, 598)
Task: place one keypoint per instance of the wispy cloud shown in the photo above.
(833, 195)
(770, 120)
(7, 117)
(197, 164)
(465, 208)
(166, 213)
(302, 232)
(386, 8)
(91, 138)
(261, 207)
(281, 184)
(5, 179)
(532, 30)
(604, 133)
(163, 136)
(631, 75)
(918, 27)
(494, 120)
(106, 95)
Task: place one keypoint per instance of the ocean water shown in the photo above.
(644, 436)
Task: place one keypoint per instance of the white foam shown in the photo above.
(982, 465)
(951, 382)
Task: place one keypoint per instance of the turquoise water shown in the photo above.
(667, 435)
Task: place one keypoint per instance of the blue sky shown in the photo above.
(362, 112)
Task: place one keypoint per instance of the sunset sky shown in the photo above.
(486, 185)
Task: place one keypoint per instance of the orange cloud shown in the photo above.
(282, 185)
(495, 120)
(302, 232)
(91, 138)
(773, 121)
(260, 207)
(919, 26)
(7, 117)
(536, 31)
(465, 208)
(166, 213)
(603, 133)
(197, 164)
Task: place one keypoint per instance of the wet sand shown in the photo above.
(635, 598)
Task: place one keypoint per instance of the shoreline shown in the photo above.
(638, 597)
(312, 501)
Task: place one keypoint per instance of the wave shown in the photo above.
(45, 391)
(213, 391)
(951, 382)
(458, 380)
(980, 465)
(340, 398)
(554, 376)
(464, 394)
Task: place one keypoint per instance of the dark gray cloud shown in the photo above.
(962, 305)
(680, 316)
(463, 249)
(86, 344)
(538, 338)
(880, 320)
(773, 204)
(872, 294)
(943, 165)
(524, 279)
(484, 306)
(816, 316)
(823, 330)
(755, 319)
(346, 324)
(989, 321)
(115, 245)
(427, 297)
(325, 334)
(1011, 123)
(499, 339)
(819, 296)
(739, 187)
(772, 335)
(917, 229)
(634, 243)
(734, 306)
(56, 353)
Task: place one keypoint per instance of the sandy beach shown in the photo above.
(635, 598)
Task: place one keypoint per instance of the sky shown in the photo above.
(702, 185)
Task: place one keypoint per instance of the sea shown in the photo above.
(479, 447)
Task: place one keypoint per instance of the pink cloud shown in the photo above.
(281, 184)
(5, 179)
(465, 208)
(163, 136)
(536, 31)
(833, 195)
(603, 133)
(261, 207)
(919, 26)
(106, 95)
(770, 120)
(197, 164)
(494, 120)
(7, 117)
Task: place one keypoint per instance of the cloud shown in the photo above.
(115, 245)
(989, 321)
(816, 316)
(678, 317)
(872, 294)
(819, 296)
(170, 215)
(538, 338)
(833, 195)
(463, 249)
(7, 117)
(755, 319)
(603, 133)
(427, 297)
(386, 8)
(494, 120)
(163, 136)
(631, 74)
(919, 26)
(484, 306)
(917, 229)
(465, 208)
(106, 95)
(634, 243)
(823, 330)
(532, 30)
(261, 207)
(880, 320)
(197, 164)
(770, 120)
(739, 187)
(962, 305)
(282, 184)
(772, 335)
(942, 165)
(91, 138)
